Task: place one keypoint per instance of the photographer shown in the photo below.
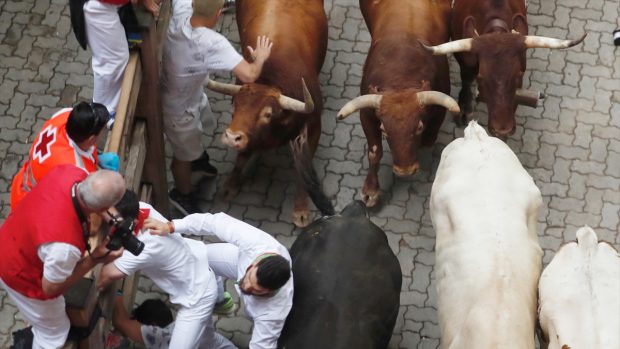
(43, 241)
(178, 266)
(68, 137)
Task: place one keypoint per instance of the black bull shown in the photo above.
(347, 280)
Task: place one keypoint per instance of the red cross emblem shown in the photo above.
(47, 137)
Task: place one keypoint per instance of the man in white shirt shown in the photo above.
(178, 266)
(151, 324)
(259, 263)
(192, 50)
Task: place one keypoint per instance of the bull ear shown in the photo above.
(519, 24)
(469, 28)
(420, 128)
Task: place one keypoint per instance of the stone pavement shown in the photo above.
(570, 145)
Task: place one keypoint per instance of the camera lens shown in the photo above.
(133, 245)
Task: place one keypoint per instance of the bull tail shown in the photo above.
(474, 131)
(309, 178)
(587, 240)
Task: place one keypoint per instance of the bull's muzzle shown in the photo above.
(406, 171)
(235, 139)
(503, 133)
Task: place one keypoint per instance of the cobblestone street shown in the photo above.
(570, 145)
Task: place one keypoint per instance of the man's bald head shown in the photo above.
(207, 8)
(101, 189)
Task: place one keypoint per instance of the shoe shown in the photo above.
(110, 122)
(616, 36)
(202, 166)
(185, 203)
(225, 307)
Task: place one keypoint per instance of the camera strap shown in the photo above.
(80, 214)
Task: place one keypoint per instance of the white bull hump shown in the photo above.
(484, 208)
(580, 295)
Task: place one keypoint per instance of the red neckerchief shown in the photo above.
(142, 215)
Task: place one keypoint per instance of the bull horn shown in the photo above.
(289, 103)
(224, 88)
(546, 42)
(361, 102)
(463, 45)
(528, 97)
(438, 98)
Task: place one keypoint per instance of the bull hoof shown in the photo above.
(230, 191)
(370, 199)
(301, 218)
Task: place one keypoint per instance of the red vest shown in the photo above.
(45, 215)
(50, 148)
(115, 2)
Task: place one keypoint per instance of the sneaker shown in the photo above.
(110, 122)
(225, 307)
(185, 203)
(203, 167)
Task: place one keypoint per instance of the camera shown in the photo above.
(122, 236)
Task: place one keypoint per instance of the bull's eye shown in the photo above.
(266, 112)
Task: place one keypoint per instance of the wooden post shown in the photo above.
(138, 126)
(150, 110)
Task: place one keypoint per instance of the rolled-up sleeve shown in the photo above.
(59, 260)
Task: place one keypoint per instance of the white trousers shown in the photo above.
(194, 324)
(106, 37)
(50, 324)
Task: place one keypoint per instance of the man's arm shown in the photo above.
(128, 327)
(225, 227)
(266, 334)
(83, 266)
(249, 72)
(109, 273)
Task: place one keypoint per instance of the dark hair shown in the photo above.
(85, 120)
(128, 207)
(153, 312)
(273, 272)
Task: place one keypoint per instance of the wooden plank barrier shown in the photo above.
(136, 134)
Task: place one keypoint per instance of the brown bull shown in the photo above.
(403, 80)
(491, 40)
(268, 113)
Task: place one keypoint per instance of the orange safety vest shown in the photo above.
(51, 147)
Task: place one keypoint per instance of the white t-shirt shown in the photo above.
(156, 337)
(189, 55)
(268, 313)
(175, 264)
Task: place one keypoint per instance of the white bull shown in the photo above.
(580, 295)
(484, 208)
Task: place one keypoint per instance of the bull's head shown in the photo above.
(400, 115)
(257, 109)
(500, 57)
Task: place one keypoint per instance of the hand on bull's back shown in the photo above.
(263, 49)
